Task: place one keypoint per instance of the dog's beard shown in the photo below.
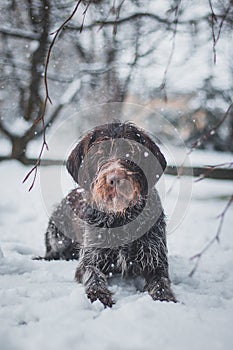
(115, 199)
(115, 189)
(98, 217)
(117, 196)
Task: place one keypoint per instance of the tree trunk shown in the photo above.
(19, 146)
(230, 134)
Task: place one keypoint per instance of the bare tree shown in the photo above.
(24, 80)
(24, 48)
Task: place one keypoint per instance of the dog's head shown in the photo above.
(117, 163)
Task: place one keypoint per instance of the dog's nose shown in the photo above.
(113, 179)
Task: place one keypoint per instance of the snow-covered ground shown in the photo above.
(43, 308)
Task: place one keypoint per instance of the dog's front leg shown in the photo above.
(159, 286)
(96, 286)
(94, 281)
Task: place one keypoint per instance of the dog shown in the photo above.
(113, 223)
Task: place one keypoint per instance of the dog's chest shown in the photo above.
(127, 261)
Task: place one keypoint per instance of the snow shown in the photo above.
(70, 92)
(196, 157)
(43, 308)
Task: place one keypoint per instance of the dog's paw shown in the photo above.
(163, 295)
(102, 294)
(161, 291)
(38, 258)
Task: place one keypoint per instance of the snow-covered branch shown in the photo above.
(19, 33)
(70, 92)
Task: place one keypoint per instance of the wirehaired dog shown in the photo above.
(113, 222)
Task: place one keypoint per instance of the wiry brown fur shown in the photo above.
(113, 192)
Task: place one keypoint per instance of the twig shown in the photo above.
(164, 81)
(213, 22)
(222, 22)
(114, 10)
(133, 64)
(211, 131)
(211, 168)
(118, 10)
(57, 32)
(47, 98)
(84, 13)
(180, 171)
(216, 238)
(44, 146)
(199, 142)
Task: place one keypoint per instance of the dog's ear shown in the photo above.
(151, 145)
(77, 155)
(156, 166)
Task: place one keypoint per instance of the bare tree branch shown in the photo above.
(35, 168)
(211, 131)
(164, 81)
(211, 168)
(19, 33)
(216, 238)
(47, 99)
(133, 64)
(199, 142)
(214, 21)
(169, 24)
(117, 10)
